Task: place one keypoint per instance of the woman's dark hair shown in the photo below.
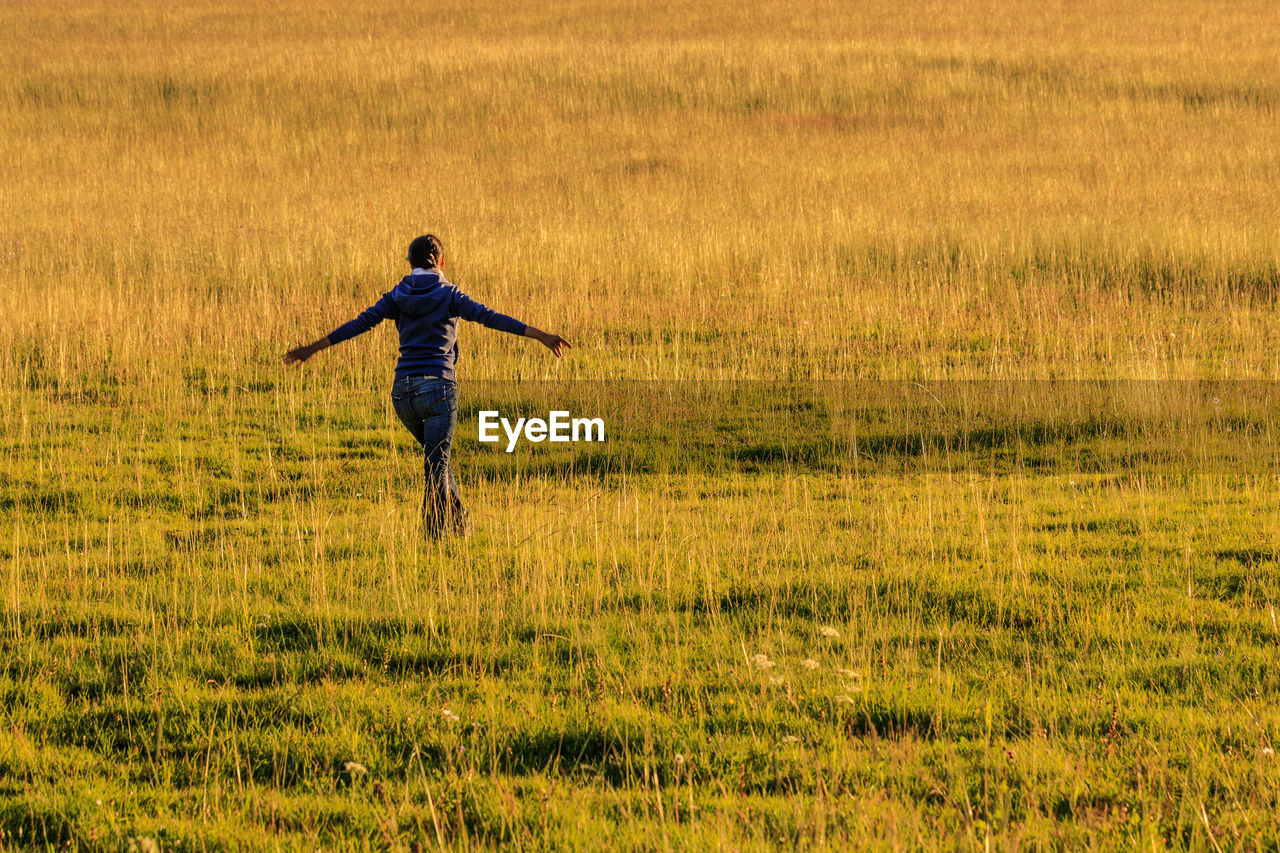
(425, 251)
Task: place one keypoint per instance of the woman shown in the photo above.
(426, 308)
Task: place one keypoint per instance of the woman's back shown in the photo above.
(426, 307)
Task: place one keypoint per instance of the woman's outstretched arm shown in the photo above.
(370, 317)
(469, 309)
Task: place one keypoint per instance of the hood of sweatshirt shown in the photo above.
(419, 294)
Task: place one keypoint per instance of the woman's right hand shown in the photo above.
(297, 355)
(555, 343)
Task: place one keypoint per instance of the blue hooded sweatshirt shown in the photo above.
(426, 308)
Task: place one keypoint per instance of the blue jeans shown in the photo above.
(428, 407)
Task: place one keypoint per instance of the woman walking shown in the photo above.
(426, 308)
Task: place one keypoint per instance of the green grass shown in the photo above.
(1057, 633)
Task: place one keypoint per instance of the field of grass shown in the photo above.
(938, 345)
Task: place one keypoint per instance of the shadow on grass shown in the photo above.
(833, 602)
(609, 755)
(292, 633)
(38, 822)
(747, 427)
(1249, 557)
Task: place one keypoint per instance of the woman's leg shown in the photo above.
(439, 499)
(429, 408)
(402, 394)
(461, 523)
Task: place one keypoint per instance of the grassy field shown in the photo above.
(938, 344)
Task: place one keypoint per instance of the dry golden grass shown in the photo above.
(732, 190)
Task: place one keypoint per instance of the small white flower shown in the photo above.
(1266, 750)
(355, 768)
(777, 680)
(791, 739)
(829, 632)
(679, 760)
(449, 715)
(762, 662)
(809, 664)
